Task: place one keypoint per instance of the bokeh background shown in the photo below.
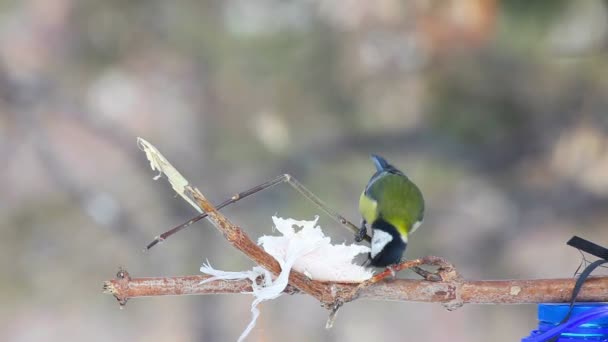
(496, 109)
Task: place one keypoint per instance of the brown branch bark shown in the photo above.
(452, 293)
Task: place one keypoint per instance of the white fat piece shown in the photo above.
(380, 238)
(416, 225)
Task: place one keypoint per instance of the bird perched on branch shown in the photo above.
(394, 207)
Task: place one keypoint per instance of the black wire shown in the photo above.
(593, 249)
(579, 284)
(588, 247)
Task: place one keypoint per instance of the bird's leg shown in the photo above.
(360, 235)
(442, 274)
(392, 271)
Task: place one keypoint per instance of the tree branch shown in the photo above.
(452, 294)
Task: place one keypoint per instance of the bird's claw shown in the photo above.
(360, 235)
(392, 270)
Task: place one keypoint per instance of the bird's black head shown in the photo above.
(391, 252)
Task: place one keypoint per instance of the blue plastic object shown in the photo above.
(588, 322)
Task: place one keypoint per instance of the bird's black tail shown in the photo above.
(380, 163)
(383, 166)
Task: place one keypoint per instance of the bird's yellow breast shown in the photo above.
(368, 208)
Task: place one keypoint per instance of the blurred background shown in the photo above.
(496, 109)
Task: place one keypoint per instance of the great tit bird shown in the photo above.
(394, 207)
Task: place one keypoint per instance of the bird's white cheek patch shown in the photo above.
(379, 240)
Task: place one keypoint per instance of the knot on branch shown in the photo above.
(119, 288)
